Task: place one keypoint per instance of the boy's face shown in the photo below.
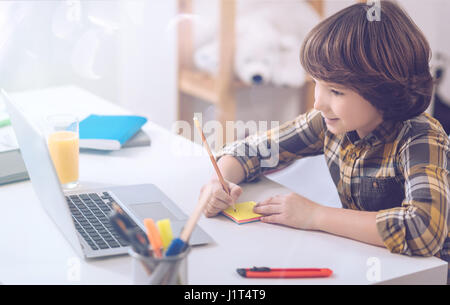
(345, 110)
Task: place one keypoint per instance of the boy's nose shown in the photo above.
(316, 104)
(319, 103)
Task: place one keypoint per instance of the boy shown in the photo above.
(388, 159)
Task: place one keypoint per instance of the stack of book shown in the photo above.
(12, 167)
(112, 132)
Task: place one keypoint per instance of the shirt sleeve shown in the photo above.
(419, 226)
(300, 137)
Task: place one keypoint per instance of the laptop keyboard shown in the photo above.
(90, 213)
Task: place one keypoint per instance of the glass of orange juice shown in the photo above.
(63, 144)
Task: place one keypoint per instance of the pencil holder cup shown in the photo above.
(149, 270)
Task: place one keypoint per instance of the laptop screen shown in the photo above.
(42, 173)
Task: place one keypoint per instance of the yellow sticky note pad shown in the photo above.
(244, 213)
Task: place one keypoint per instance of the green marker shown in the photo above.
(5, 122)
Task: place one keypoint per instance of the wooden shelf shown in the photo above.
(199, 84)
(203, 85)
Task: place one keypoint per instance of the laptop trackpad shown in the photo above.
(154, 210)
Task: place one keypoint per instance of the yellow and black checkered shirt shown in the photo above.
(400, 169)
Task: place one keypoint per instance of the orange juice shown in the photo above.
(64, 150)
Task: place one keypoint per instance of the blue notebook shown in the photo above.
(109, 132)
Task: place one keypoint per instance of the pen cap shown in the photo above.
(176, 246)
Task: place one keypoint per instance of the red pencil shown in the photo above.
(265, 272)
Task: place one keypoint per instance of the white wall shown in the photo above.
(147, 68)
(121, 50)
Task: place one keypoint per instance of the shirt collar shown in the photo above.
(381, 134)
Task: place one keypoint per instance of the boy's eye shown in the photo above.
(335, 92)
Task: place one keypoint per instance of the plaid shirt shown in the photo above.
(400, 169)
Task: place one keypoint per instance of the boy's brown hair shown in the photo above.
(385, 61)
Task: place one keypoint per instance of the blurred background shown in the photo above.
(166, 59)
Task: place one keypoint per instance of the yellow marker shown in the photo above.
(165, 230)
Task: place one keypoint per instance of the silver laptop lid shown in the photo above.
(42, 172)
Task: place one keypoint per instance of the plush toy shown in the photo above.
(254, 61)
(287, 72)
(268, 39)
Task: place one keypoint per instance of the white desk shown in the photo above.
(34, 252)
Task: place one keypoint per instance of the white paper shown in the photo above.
(8, 139)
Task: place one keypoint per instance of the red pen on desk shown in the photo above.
(265, 272)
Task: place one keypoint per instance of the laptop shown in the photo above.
(82, 216)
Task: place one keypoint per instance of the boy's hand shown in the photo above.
(291, 209)
(218, 200)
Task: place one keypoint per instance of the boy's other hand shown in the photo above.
(291, 210)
